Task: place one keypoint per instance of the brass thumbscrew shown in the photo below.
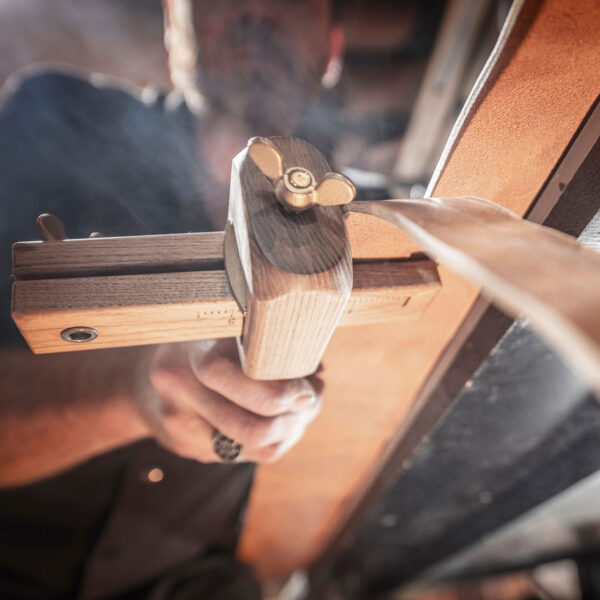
(295, 186)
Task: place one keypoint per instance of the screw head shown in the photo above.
(300, 178)
(152, 475)
(79, 335)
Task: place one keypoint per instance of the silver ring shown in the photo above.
(225, 448)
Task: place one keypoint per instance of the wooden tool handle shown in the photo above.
(296, 268)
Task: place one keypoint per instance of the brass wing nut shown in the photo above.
(295, 186)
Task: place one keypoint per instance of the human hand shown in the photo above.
(203, 390)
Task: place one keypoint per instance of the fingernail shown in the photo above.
(303, 401)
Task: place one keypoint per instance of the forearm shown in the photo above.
(31, 382)
(59, 410)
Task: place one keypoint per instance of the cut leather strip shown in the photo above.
(525, 268)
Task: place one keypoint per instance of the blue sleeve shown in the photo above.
(96, 156)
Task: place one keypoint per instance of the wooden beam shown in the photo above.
(294, 270)
(175, 253)
(129, 310)
(118, 255)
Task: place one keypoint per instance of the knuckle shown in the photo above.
(297, 387)
(277, 397)
(214, 370)
(271, 398)
(269, 454)
(165, 376)
(314, 410)
(187, 450)
(254, 431)
(278, 429)
(159, 374)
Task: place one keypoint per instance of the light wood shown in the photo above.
(297, 268)
(125, 310)
(389, 291)
(535, 91)
(134, 310)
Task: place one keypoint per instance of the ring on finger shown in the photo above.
(227, 449)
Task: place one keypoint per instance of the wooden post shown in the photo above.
(297, 268)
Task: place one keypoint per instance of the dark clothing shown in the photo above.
(103, 160)
(104, 527)
(99, 159)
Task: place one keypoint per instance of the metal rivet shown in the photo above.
(154, 475)
(300, 178)
(79, 335)
(50, 227)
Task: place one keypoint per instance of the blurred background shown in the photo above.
(407, 70)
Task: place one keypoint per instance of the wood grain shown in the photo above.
(174, 253)
(297, 268)
(535, 91)
(118, 255)
(134, 310)
(125, 310)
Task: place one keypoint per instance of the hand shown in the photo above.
(202, 388)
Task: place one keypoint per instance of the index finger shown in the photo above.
(217, 366)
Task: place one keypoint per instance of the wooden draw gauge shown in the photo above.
(304, 276)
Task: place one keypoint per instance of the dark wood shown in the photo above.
(297, 268)
(136, 255)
